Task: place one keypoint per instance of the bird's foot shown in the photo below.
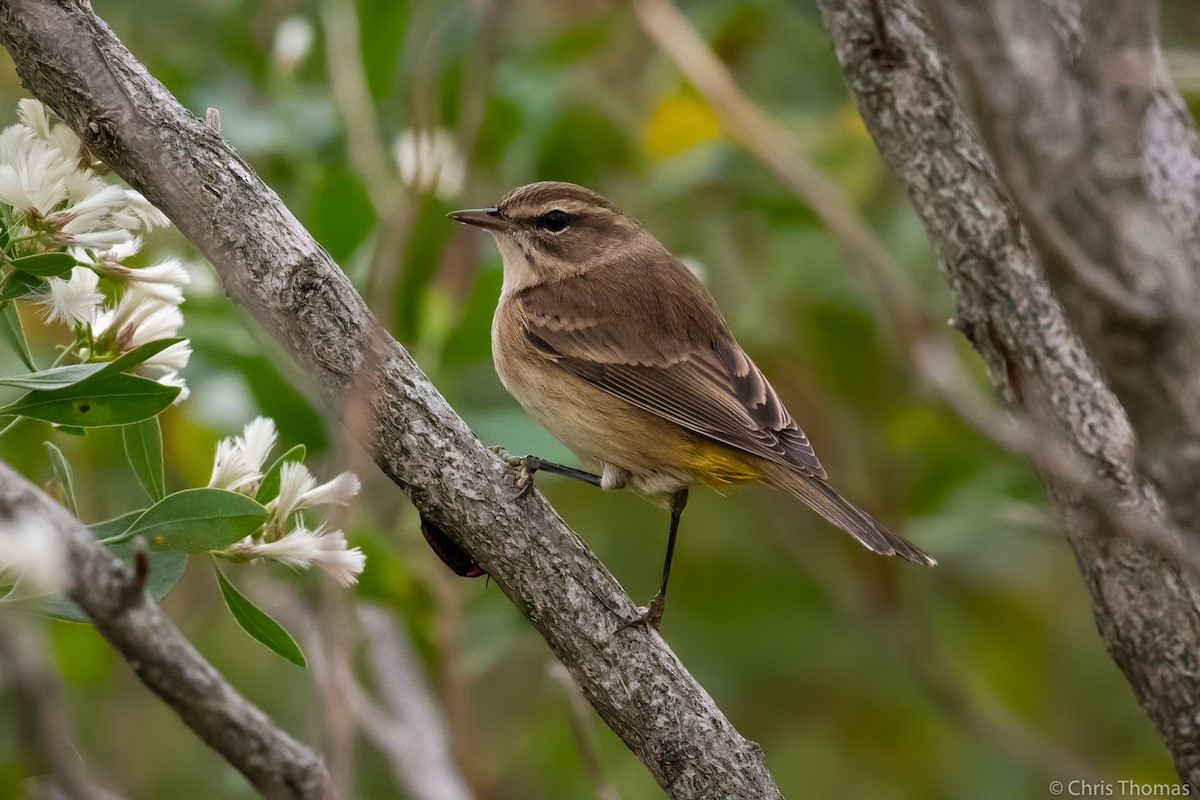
(530, 464)
(651, 615)
(525, 468)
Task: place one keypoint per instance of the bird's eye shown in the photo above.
(554, 221)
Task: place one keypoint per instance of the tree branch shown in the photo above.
(112, 595)
(43, 723)
(1069, 141)
(268, 262)
(1145, 608)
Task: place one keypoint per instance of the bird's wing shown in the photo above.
(667, 350)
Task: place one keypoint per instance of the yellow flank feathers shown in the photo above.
(718, 465)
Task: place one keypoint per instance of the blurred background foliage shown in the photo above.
(859, 676)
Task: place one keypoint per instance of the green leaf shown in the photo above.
(268, 487)
(110, 528)
(143, 446)
(196, 521)
(165, 571)
(14, 335)
(45, 265)
(258, 623)
(17, 284)
(72, 374)
(62, 473)
(112, 400)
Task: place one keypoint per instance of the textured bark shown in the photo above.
(1068, 135)
(111, 594)
(268, 262)
(1144, 607)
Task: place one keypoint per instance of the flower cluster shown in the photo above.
(53, 199)
(284, 537)
(430, 161)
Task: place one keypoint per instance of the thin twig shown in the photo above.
(405, 694)
(45, 727)
(271, 265)
(367, 150)
(931, 356)
(585, 737)
(275, 763)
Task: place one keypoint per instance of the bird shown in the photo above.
(618, 350)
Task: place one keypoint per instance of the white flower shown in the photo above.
(298, 489)
(239, 460)
(31, 172)
(97, 217)
(337, 492)
(80, 184)
(293, 41)
(31, 551)
(74, 300)
(172, 359)
(138, 318)
(258, 439)
(294, 482)
(163, 321)
(302, 548)
(42, 168)
(143, 212)
(164, 280)
(231, 468)
(34, 115)
(106, 238)
(429, 161)
(175, 379)
(92, 203)
(104, 261)
(118, 253)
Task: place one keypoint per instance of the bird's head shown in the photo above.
(552, 229)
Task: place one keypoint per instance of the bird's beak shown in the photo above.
(487, 218)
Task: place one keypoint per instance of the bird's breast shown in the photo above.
(604, 430)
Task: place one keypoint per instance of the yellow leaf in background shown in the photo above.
(851, 123)
(677, 124)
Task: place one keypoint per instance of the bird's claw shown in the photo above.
(525, 470)
(650, 615)
(524, 478)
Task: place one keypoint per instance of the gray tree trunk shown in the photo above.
(1129, 299)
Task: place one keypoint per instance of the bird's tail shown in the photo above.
(821, 497)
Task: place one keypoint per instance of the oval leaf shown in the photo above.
(268, 487)
(62, 474)
(197, 520)
(72, 374)
(14, 336)
(111, 528)
(18, 284)
(259, 624)
(143, 446)
(112, 400)
(45, 265)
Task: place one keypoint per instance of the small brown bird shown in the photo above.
(622, 354)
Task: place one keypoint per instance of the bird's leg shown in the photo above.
(530, 464)
(652, 614)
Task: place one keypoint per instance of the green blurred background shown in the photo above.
(859, 676)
